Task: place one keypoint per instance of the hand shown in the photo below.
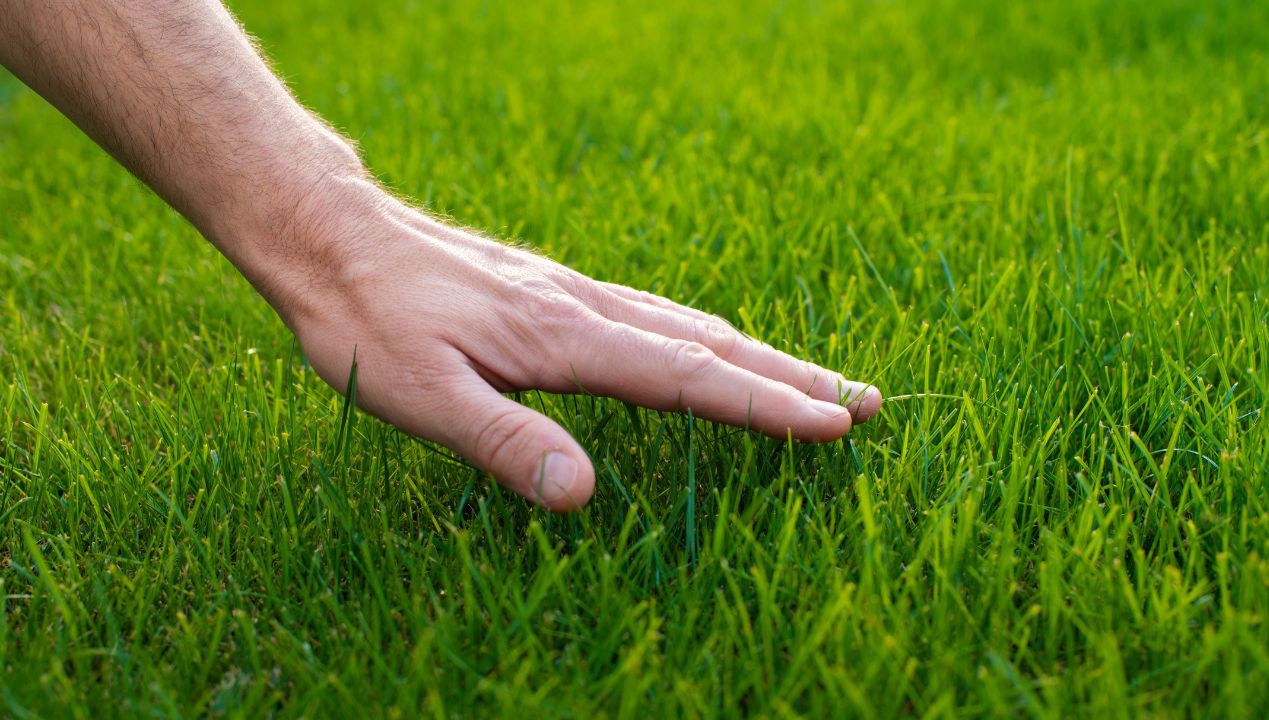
(443, 321)
(440, 320)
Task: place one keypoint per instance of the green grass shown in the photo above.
(1047, 221)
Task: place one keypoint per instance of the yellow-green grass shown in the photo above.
(1040, 227)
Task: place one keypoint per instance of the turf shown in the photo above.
(1042, 228)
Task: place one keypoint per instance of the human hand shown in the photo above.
(443, 321)
(440, 320)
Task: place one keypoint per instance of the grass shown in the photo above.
(1041, 228)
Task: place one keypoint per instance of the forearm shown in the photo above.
(438, 319)
(176, 92)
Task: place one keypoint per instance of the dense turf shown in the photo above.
(1048, 222)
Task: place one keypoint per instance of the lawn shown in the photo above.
(1041, 228)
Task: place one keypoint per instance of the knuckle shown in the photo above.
(499, 436)
(545, 318)
(719, 336)
(596, 298)
(573, 282)
(554, 309)
(546, 310)
(690, 359)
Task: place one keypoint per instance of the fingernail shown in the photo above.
(832, 410)
(559, 475)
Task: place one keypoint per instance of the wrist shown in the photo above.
(304, 233)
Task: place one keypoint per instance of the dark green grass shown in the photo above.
(1048, 222)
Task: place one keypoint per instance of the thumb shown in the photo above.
(525, 451)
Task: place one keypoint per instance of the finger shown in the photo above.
(634, 365)
(642, 296)
(525, 451)
(671, 320)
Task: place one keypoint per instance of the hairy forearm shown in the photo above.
(439, 319)
(176, 92)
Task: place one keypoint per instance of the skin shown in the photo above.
(442, 321)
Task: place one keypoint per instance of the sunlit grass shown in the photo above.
(1040, 228)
